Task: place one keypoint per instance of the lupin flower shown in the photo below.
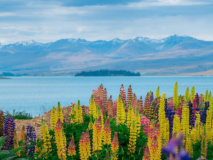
(123, 94)
(157, 93)
(203, 113)
(73, 114)
(104, 102)
(71, 148)
(22, 134)
(146, 155)
(30, 135)
(164, 95)
(59, 113)
(189, 148)
(186, 97)
(192, 96)
(90, 127)
(132, 138)
(197, 126)
(45, 137)
(145, 121)
(151, 97)
(16, 144)
(194, 104)
(201, 100)
(97, 135)
(82, 148)
(130, 115)
(185, 120)
(61, 149)
(78, 109)
(206, 96)
(137, 122)
(167, 133)
(53, 118)
(134, 102)
(9, 129)
(162, 119)
(107, 133)
(176, 125)
(193, 136)
(172, 148)
(1, 123)
(92, 107)
(115, 147)
(209, 124)
(114, 108)
(147, 106)
(110, 108)
(172, 106)
(204, 145)
(197, 98)
(100, 113)
(129, 95)
(140, 105)
(210, 102)
(175, 97)
(120, 111)
(87, 143)
(159, 140)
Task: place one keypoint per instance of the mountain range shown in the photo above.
(174, 55)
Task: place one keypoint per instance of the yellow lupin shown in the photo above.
(132, 138)
(53, 118)
(59, 113)
(130, 115)
(45, 137)
(92, 107)
(61, 149)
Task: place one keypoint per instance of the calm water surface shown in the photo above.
(39, 94)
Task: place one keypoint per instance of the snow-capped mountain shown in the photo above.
(171, 55)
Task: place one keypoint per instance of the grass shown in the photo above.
(18, 115)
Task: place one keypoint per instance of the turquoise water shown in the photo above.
(38, 94)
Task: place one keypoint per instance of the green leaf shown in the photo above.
(2, 139)
(7, 155)
(3, 153)
(10, 157)
(16, 149)
(33, 143)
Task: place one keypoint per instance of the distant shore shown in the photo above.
(4, 78)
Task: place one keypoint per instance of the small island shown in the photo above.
(107, 73)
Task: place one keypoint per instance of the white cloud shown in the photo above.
(151, 3)
(6, 14)
(150, 18)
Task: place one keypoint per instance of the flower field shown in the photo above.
(124, 128)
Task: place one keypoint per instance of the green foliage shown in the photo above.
(123, 136)
(76, 131)
(8, 154)
(196, 150)
(18, 115)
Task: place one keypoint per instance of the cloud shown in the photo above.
(151, 3)
(46, 21)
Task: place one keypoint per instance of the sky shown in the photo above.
(50, 20)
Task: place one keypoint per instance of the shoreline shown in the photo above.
(4, 78)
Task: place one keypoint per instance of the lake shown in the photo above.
(36, 95)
